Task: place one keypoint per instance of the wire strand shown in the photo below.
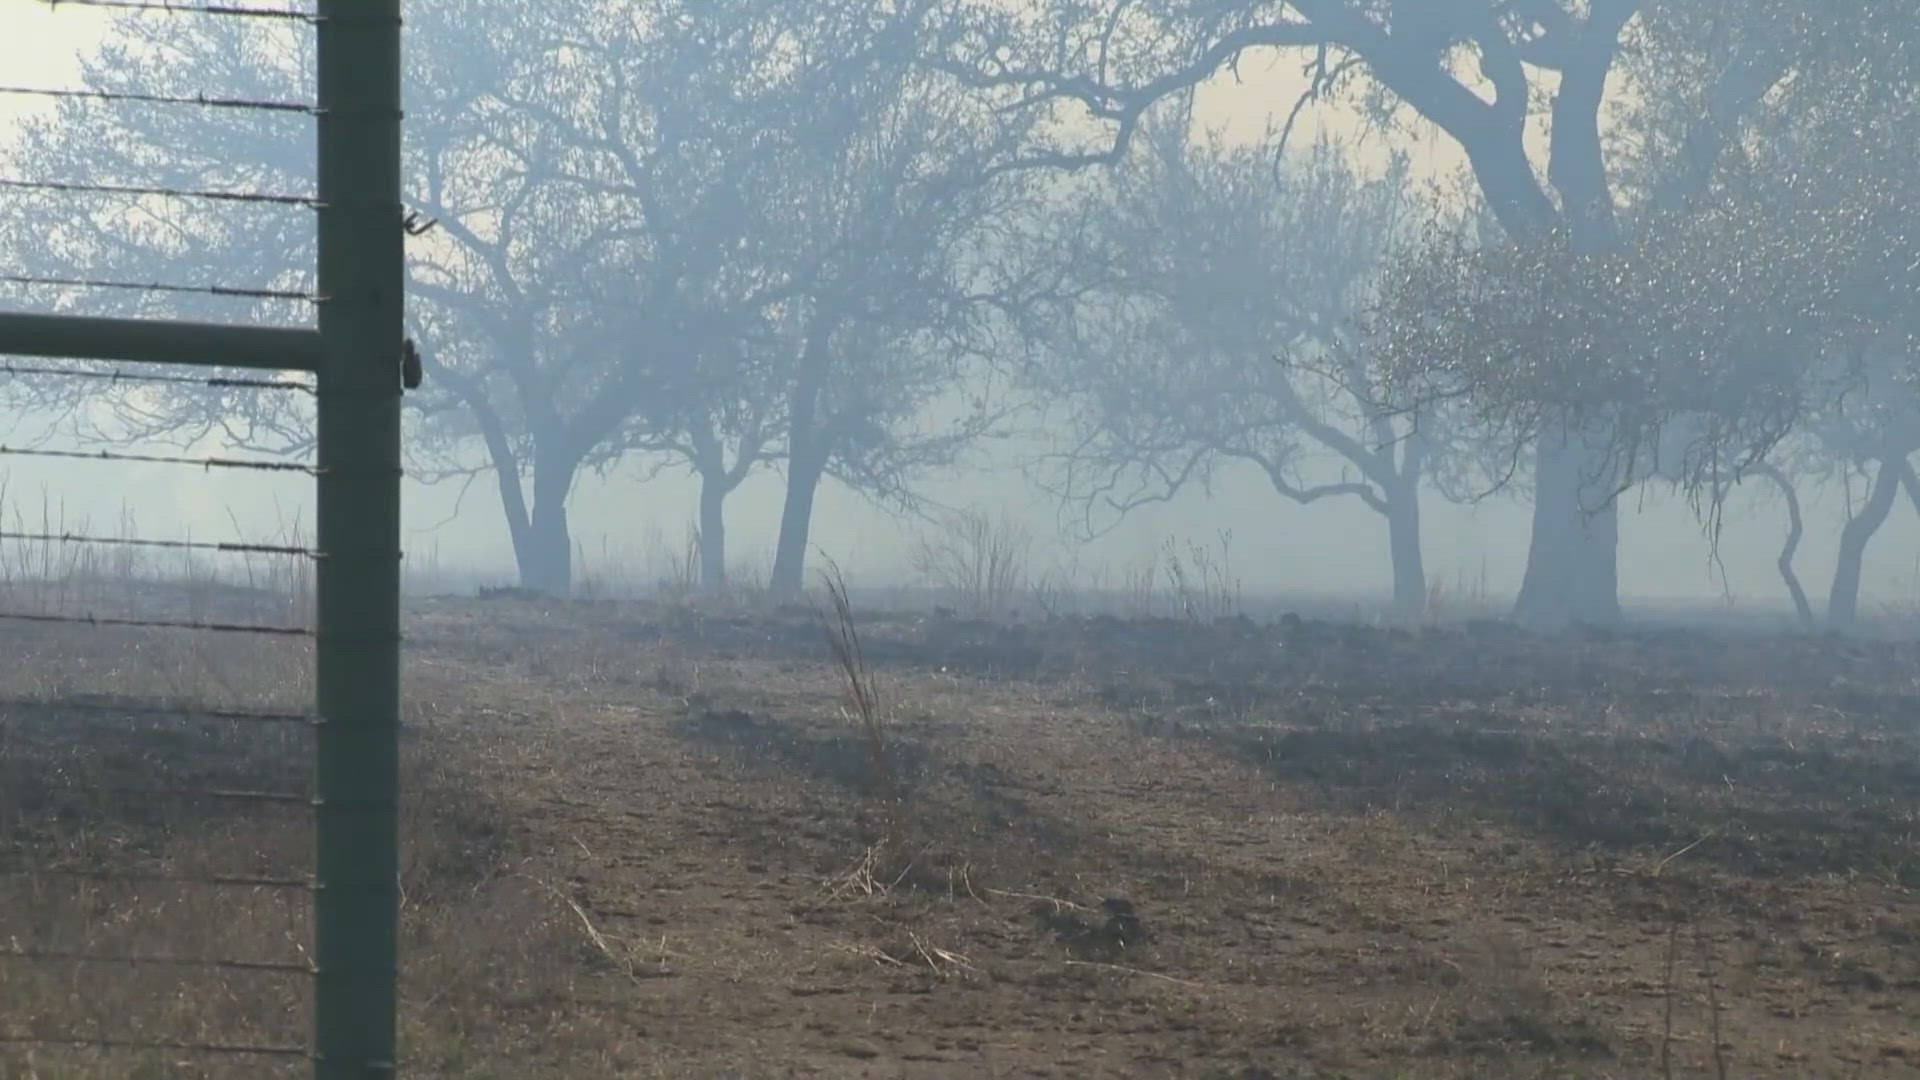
(171, 193)
(225, 547)
(229, 881)
(162, 459)
(132, 711)
(156, 624)
(62, 956)
(78, 1042)
(116, 375)
(161, 99)
(168, 7)
(286, 798)
(156, 286)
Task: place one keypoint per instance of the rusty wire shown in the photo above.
(161, 99)
(269, 198)
(162, 459)
(156, 286)
(157, 712)
(223, 546)
(7, 367)
(283, 798)
(141, 877)
(156, 624)
(168, 7)
(79, 1042)
(215, 963)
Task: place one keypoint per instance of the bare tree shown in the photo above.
(883, 223)
(1482, 71)
(635, 144)
(549, 313)
(732, 235)
(1870, 437)
(1773, 294)
(1213, 322)
(806, 209)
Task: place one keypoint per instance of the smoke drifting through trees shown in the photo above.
(855, 243)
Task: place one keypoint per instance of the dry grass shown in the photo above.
(977, 562)
(863, 709)
(643, 840)
(130, 828)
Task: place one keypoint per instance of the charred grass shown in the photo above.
(656, 841)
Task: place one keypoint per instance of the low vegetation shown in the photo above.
(655, 839)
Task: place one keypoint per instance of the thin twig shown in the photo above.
(1662, 864)
(1058, 904)
(600, 941)
(1135, 971)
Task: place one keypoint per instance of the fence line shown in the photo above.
(76, 186)
(8, 367)
(161, 287)
(161, 459)
(201, 100)
(170, 7)
(360, 360)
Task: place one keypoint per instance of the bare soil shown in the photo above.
(652, 841)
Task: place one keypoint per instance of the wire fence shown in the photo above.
(197, 774)
(155, 806)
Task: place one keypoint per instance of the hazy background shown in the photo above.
(625, 529)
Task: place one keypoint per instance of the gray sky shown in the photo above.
(618, 520)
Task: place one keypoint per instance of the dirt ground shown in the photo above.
(653, 841)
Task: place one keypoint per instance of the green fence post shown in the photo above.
(356, 827)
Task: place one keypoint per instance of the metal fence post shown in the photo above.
(361, 237)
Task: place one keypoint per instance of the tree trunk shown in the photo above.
(796, 522)
(1403, 542)
(1573, 562)
(1796, 528)
(1843, 601)
(546, 558)
(713, 534)
(807, 452)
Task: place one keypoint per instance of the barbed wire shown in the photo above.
(64, 956)
(308, 201)
(8, 367)
(135, 710)
(161, 459)
(90, 1043)
(285, 798)
(162, 99)
(233, 881)
(159, 286)
(223, 546)
(50, 714)
(156, 624)
(168, 7)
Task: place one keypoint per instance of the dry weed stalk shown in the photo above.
(1122, 969)
(979, 561)
(942, 962)
(862, 878)
(843, 638)
(1059, 905)
(1202, 585)
(623, 958)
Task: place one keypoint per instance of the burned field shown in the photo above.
(654, 841)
